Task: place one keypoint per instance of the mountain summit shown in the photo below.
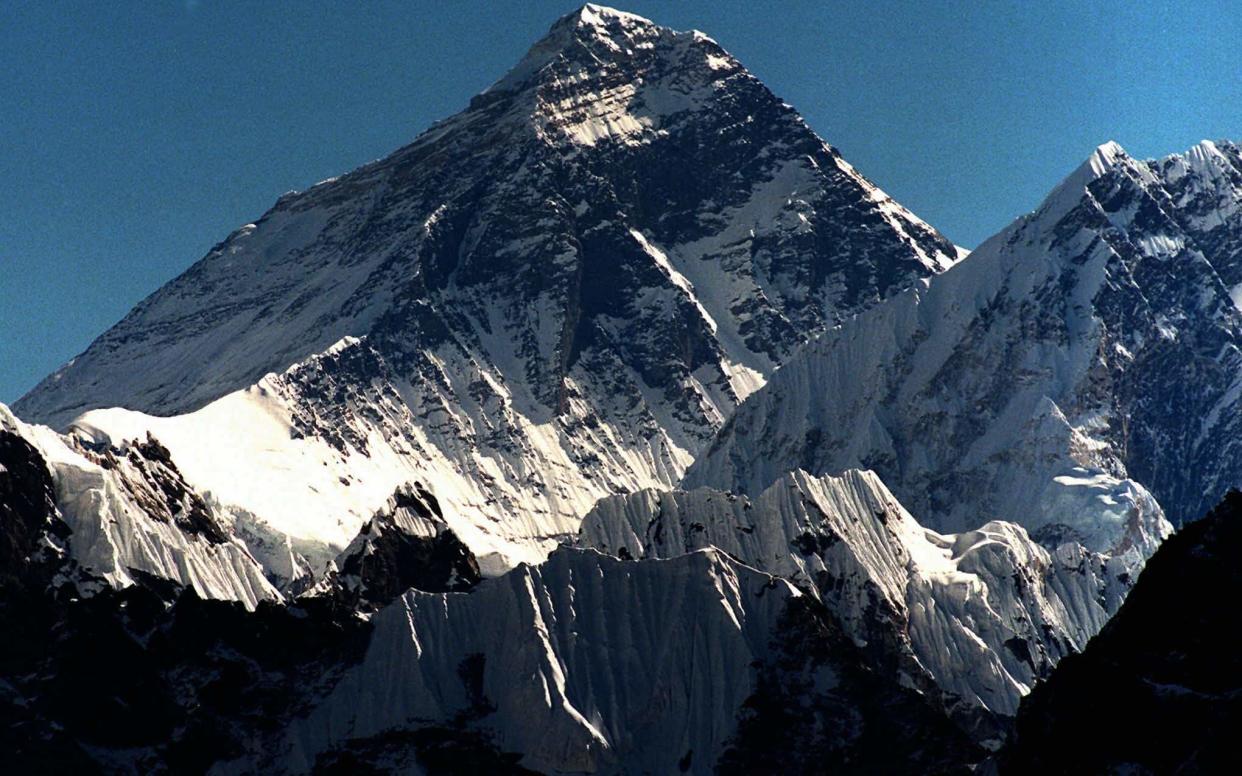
(557, 294)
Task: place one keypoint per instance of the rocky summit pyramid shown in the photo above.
(557, 294)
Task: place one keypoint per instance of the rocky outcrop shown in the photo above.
(123, 515)
(122, 682)
(406, 545)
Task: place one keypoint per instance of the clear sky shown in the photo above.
(134, 136)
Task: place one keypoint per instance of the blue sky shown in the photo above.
(135, 136)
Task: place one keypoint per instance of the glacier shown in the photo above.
(985, 613)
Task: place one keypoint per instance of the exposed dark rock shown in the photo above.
(1159, 690)
(148, 474)
(405, 545)
(27, 505)
(437, 751)
(821, 707)
(122, 682)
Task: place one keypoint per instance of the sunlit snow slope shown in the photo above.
(589, 664)
(131, 516)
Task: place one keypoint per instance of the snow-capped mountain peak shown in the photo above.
(1107, 158)
(557, 294)
(1106, 155)
(583, 35)
(607, 76)
(390, 477)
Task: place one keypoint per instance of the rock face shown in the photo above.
(30, 527)
(406, 545)
(428, 370)
(1160, 689)
(557, 294)
(1047, 379)
(984, 613)
(592, 664)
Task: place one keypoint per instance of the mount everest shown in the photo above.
(558, 294)
(563, 440)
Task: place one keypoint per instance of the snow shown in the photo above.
(676, 277)
(114, 535)
(598, 15)
(241, 450)
(590, 664)
(1069, 193)
(417, 319)
(962, 598)
(742, 379)
(904, 222)
(954, 392)
(1105, 157)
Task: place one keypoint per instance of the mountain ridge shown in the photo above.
(984, 613)
(1066, 335)
(1158, 689)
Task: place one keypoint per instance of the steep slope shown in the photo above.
(31, 531)
(557, 294)
(985, 613)
(590, 664)
(1084, 357)
(125, 515)
(694, 665)
(1160, 689)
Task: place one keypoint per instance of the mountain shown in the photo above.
(123, 681)
(558, 294)
(984, 614)
(405, 545)
(691, 665)
(1160, 689)
(694, 664)
(561, 440)
(1048, 378)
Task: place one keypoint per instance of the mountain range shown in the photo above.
(617, 424)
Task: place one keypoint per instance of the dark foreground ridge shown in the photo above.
(1160, 689)
(121, 682)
